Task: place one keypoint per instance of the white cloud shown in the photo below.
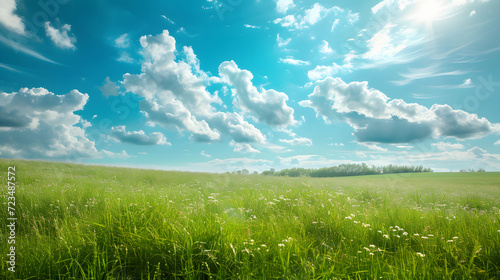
(175, 95)
(243, 147)
(391, 5)
(284, 5)
(460, 159)
(377, 119)
(298, 141)
(121, 134)
(374, 147)
(309, 18)
(169, 20)
(352, 17)
(323, 71)
(325, 47)
(36, 123)
(287, 21)
(60, 37)
(232, 164)
(85, 123)
(125, 57)
(109, 88)
(122, 155)
(292, 61)
(205, 154)
(194, 62)
(473, 12)
(287, 131)
(383, 45)
(123, 41)
(251, 26)
(9, 19)
(361, 155)
(315, 14)
(334, 24)
(18, 47)
(497, 142)
(282, 42)
(467, 83)
(269, 106)
(447, 146)
(431, 71)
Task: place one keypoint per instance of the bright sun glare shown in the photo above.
(429, 10)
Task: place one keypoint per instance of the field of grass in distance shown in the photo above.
(93, 222)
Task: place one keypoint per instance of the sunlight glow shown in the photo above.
(428, 11)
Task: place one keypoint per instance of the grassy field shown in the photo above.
(90, 222)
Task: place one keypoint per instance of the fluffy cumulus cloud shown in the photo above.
(375, 118)
(36, 123)
(447, 146)
(243, 147)
(284, 5)
(292, 61)
(298, 141)
(323, 71)
(60, 37)
(121, 134)
(269, 106)
(9, 19)
(123, 41)
(309, 18)
(109, 88)
(325, 48)
(175, 96)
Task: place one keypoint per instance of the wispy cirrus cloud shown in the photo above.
(432, 71)
(21, 48)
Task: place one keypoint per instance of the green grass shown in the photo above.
(91, 222)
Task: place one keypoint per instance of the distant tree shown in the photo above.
(269, 172)
(347, 170)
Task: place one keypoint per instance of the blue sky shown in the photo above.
(224, 85)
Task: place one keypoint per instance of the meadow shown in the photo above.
(94, 222)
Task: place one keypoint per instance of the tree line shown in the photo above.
(346, 170)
